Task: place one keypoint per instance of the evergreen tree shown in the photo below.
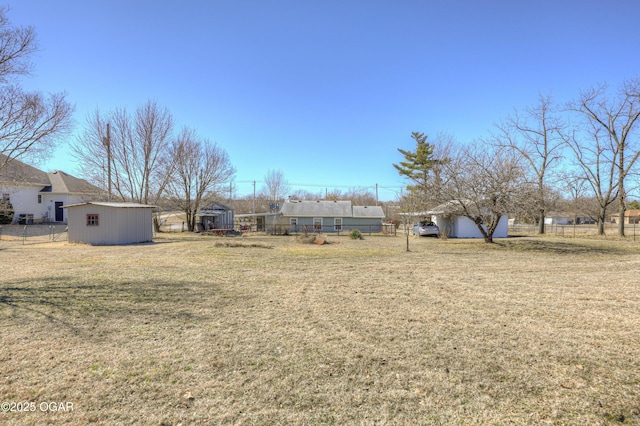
(420, 166)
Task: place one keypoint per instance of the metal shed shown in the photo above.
(105, 223)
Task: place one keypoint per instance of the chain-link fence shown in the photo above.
(33, 234)
(632, 231)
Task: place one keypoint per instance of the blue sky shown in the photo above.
(325, 91)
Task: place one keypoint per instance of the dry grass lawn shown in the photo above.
(264, 330)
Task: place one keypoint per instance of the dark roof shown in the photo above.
(18, 173)
(65, 183)
(216, 206)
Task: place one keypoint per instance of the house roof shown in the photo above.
(316, 208)
(216, 206)
(296, 208)
(62, 182)
(17, 172)
(111, 204)
(368, 211)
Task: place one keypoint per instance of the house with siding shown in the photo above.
(216, 216)
(329, 216)
(37, 196)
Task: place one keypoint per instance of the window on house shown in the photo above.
(6, 198)
(317, 224)
(337, 224)
(92, 220)
(39, 199)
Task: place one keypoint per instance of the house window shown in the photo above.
(39, 199)
(92, 220)
(317, 224)
(337, 224)
(293, 221)
(6, 198)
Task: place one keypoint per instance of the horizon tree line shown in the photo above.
(587, 147)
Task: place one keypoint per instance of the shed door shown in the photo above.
(59, 211)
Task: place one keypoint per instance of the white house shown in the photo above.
(105, 223)
(37, 196)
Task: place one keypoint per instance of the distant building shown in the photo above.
(216, 216)
(630, 217)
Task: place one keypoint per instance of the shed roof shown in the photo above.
(111, 204)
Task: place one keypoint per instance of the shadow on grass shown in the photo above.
(79, 306)
(563, 247)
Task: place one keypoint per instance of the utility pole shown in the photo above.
(254, 197)
(376, 194)
(106, 141)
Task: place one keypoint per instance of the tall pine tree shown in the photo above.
(418, 166)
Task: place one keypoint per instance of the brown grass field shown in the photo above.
(261, 330)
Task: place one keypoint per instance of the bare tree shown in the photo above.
(596, 159)
(535, 135)
(360, 197)
(201, 169)
(302, 194)
(614, 129)
(30, 122)
(576, 187)
(91, 149)
(136, 146)
(275, 185)
(483, 184)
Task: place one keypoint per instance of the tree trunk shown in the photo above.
(541, 222)
(621, 210)
(602, 216)
(156, 223)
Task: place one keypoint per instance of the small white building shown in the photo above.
(450, 220)
(106, 223)
(463, 227)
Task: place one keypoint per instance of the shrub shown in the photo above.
(6, 212)
(356, 235)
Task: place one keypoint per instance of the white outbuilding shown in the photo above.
(106, 223)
